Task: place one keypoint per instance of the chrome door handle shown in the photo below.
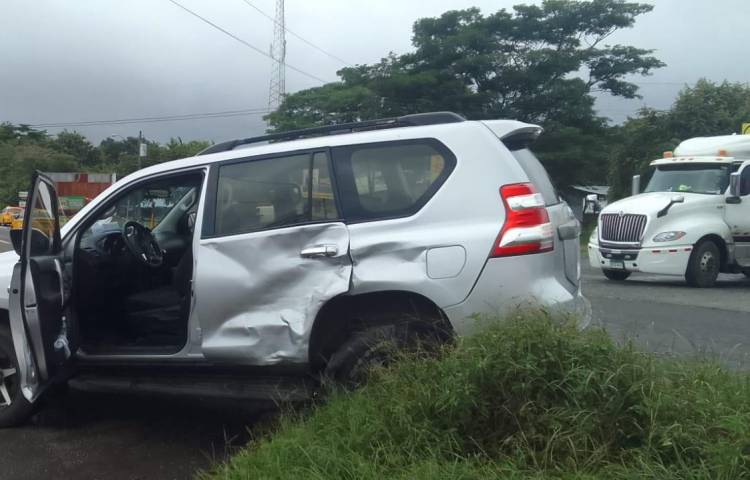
(317, 251)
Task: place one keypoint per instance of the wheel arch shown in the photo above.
(345, 314)
(723, 248)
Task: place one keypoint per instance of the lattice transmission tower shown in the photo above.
(277, 88)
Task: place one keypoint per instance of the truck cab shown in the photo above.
(691, 220)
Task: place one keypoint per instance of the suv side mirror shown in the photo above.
(635, 187)
(734, 184)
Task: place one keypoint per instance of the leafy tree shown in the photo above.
(24, 150)
(75, 144)
(710, 108)
(10, 133)
(538, 64)
(18, 163)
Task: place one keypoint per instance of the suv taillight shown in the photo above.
(527, 228)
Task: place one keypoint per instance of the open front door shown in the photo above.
(38, 293)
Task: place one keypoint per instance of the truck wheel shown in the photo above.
(14, 408)
(617, 275)
(703, 266)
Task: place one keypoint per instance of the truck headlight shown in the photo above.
(668, 236)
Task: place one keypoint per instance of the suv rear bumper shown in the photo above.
(517, 282)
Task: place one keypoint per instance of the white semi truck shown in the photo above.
(692, 219)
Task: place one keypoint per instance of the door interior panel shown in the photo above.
(49, 291)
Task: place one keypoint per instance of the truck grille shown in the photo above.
(626, 228)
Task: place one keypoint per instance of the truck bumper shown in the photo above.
(671, 260)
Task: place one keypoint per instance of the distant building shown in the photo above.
(77, 189)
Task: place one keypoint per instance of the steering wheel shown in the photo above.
(142, 244)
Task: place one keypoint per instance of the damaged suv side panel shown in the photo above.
(272, 252)
(257, 304)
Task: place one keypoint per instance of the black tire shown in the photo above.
(616, 275)
(350, 366)
(746, 273)
(19, 410)
(703, 266)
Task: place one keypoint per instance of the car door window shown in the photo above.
(537, 174)
(275, 192)
(390, 180)
(43, 221)
(147, 204)
(322, 200)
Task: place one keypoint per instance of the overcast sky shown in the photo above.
(82, 60)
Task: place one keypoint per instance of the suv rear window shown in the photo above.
(537, 174)
(389, 180)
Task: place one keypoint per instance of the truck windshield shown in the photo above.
(700, 178)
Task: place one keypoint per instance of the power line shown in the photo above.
(656, 83)
(154, 119)
(243, 42)
(300, 37)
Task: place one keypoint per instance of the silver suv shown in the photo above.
(263, 263)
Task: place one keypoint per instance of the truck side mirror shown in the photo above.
(734, 184)
(672, 201)
(635, 187)
(591, 204)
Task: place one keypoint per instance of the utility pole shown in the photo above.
(277, 87)
(142, 149)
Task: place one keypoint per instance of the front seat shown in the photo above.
(166, 296)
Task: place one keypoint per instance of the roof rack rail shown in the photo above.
(414, 120)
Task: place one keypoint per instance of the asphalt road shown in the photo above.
(664, 315)
(120, 437)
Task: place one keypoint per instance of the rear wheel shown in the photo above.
(703, 266)
(14, 408)
(617, 275)
(351, 364)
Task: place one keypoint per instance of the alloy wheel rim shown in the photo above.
(8, 376)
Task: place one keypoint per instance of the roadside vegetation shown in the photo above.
(24, 149)
(530, 397)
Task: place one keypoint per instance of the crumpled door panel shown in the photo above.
(257, 296)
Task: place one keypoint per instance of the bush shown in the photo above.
(529, 397)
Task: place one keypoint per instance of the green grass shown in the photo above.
(530, 397)
(587, 228)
